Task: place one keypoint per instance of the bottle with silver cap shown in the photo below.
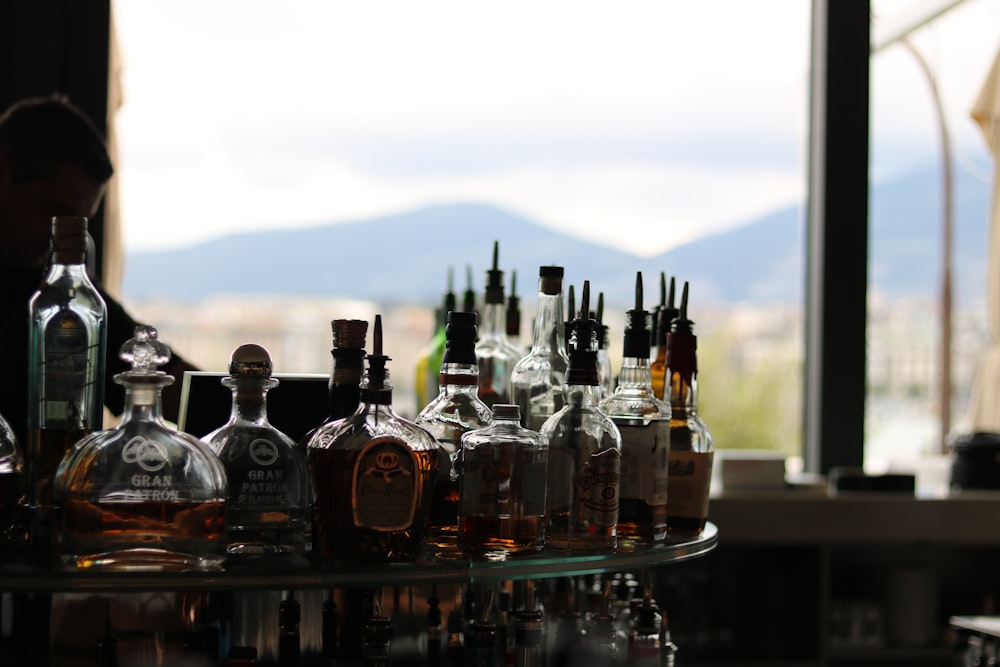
(269, 497)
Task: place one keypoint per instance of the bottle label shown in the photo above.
(65, 371)
(645, 459)
(263, 452)
(690, 482)
(385, 485)
(154, 483)
(597, 489)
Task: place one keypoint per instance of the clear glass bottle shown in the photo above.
(68, 341)
(494, 353)
(664, 317)
(373, 475)
(691, 447)
(513, 317)
(11, 480)
(581, 505)
(142, 496)
(644, 423)
(268, 501)
(502, 509)
(538, 377)
(605, 375)
(455, 411)
(429, 359)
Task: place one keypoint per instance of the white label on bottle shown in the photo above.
(645, 459)
(597, 489)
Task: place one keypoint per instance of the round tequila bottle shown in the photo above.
(143, 495)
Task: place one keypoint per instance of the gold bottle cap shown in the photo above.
(250, 360)
(349, 333)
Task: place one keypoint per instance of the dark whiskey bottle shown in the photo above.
(691, 445)
(373, 475)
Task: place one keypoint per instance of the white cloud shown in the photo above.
(646, 119)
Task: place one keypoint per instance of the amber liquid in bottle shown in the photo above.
(53, 445)
(340, 536)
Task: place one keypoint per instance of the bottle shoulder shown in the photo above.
(459, 412)
(233, 439)
(641, 405)
(355, 431)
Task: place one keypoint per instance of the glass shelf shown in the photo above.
(15, 577)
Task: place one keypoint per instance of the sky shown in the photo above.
(640, 124)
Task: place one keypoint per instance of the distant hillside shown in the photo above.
(405, 257)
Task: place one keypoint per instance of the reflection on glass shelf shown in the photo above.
(23, 576)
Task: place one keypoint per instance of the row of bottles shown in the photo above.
(515, 452)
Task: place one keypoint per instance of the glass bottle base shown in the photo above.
(144, 560)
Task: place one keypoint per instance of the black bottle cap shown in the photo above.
(377, 374)
(636, 343)
(668, 313)
(513, 308)
(582, 368)
(494, 278)
(460, 338)
(682, 352)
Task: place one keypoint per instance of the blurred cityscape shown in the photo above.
(750, 359)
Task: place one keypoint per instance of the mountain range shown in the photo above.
(406, 258)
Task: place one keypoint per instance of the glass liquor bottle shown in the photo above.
(691, 446)
(604, 374)
(429, 361)
(644, 423)
(666, 314)
(142, 496)
(373, 475)
(581, 505)
(513, 316)
(268, 501)
(494, 353)
(469, 295)
(502, 508)
(68, 340)
(537, 379)
(455, 411)
(11, 480)
(344, 386)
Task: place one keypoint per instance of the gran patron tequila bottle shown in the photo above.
(494, 353)
(691, 446)
(455, 411)
(142, 496)
(581, 505)
(373, 475)
(644, 423)
(502, 509)
(537, 379)
(268, 502)
(68, 320)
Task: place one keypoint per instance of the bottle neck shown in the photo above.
(494, 323)
(250, 405)
(582, 395)
(549, 334)
(459, 378)
(635, 377)
(77, 272)
(683, 393)
(143, 400)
